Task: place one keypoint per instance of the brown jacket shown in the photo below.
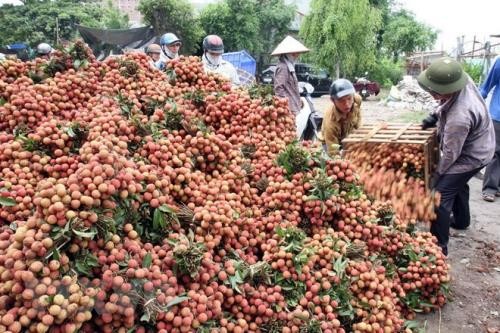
(335, 128)
(286, 85)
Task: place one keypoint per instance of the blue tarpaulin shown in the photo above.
(242, 60)
(17, 46)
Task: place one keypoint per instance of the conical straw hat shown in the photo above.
(289, 45)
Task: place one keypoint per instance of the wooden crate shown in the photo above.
(400, 133)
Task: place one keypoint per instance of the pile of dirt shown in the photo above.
(407, 94)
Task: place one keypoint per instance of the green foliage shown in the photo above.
(474, 70)
(231, 20)
(113, 18)
(322, 186)
(293, 159)
(386, 72)
(291, 239)
(188, 255)
(293, 291)
(404, 34)
(253, 25)
(7, 202)
(175, 16)
(341, 291)
(342, 34)
(85, 262)
(35, 21)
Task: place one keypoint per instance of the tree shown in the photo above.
(175, 16)
(275, 19)
(113, 18)
(404, 35)
(44, 21)
(254, 25)
(235, 22)
(342, 34)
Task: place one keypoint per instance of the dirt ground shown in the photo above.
(474, 254)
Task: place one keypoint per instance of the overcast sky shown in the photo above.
(458, 17)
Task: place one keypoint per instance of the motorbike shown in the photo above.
(365, 87)
(308, 121)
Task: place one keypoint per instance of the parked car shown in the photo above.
(307, 73)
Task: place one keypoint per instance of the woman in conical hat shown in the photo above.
(285, 80)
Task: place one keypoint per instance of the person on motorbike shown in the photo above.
(285, 80)
(213, 48)
(153, 51)
(170, 45)
(342, 117)
(43, 50)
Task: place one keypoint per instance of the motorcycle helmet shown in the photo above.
(341, 88)
(43, 49)
(213, 44)
(153, 48)
(169, 39)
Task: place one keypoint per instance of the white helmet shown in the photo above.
(43, 49)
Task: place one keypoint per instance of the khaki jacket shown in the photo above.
(335, 128)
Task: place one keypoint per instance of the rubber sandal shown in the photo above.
(497, 194)
(488, 197)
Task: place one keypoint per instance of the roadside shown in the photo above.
(474, 257)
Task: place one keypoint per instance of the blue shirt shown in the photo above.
(493, 81)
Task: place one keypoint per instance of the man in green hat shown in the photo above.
(467, 142)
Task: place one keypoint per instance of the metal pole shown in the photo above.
(473, 47)
(421, 61)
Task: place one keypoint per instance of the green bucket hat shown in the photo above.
(444, 76)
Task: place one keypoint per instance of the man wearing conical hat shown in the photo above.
(467, 142)
(285, 80)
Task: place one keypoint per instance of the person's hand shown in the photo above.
(429, 121)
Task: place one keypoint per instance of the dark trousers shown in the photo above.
(491, 181)
(454, 198)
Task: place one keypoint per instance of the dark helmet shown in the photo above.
(168, 39)
(213, 44)
(341, 88)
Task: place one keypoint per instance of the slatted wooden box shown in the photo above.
(400, 133)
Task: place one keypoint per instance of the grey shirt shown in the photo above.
(286, 85)
(467, 137)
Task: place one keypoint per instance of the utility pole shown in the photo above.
(421, 61)
(460, 48)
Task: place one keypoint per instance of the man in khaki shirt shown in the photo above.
(343, 116)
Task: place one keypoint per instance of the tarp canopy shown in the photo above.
(7, 51)
(106, 41)
(21, 50)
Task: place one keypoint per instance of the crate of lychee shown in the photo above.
(400, 146)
